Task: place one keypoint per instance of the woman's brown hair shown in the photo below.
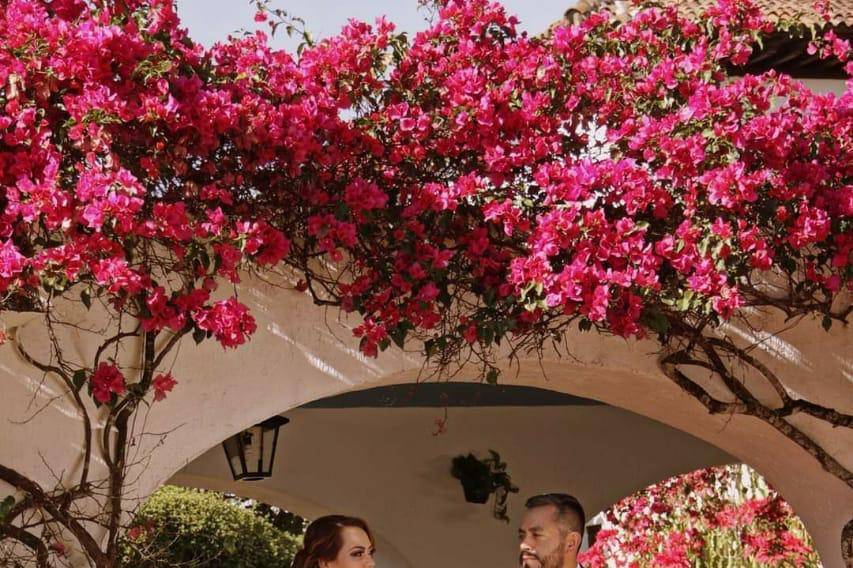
(323, 540)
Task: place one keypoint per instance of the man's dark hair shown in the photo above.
(569, 509)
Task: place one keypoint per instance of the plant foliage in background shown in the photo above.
(281, 519)
(189, 527)
(480, 478)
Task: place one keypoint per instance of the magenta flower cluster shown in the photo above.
(470, 185)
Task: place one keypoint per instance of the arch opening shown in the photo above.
(384, 454)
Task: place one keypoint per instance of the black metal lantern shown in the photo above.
(251, 453)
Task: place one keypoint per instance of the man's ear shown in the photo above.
(574, 541)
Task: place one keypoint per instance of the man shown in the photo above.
(551, 532)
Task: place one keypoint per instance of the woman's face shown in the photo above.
(356, 551)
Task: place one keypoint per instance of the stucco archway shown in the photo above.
(302, 353)
(377, 453)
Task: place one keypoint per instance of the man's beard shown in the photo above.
(553, 560)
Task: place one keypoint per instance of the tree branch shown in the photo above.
(789, 405)
(75, 393)
(748, 405)
(669, 366)
(114, 339)
(117, 467)
(48, 503)
(30, 540)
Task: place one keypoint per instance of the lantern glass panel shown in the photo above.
(234, 456)
(251, 453)
(268, 447)
(252, 441)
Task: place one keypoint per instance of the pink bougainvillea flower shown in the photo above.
(162, 384)
(106, 381)
(228, 320)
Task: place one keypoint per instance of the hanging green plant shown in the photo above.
(481, 478)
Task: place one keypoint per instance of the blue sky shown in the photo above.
(212, 20)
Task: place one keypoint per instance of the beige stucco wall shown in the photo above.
(825, 85)
(301, 353)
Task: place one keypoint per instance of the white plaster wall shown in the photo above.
(825, 85)
(301, 353)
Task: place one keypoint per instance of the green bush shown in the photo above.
(190, 527)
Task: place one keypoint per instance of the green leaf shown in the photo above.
(6, 506)
(656, 321)
(429, 347)
(199, 335)
(787, 263)
(204, 258)
(489, 297)
(341, 211)
(685, 302)
(492, 376)
(398, 335)
(86, 298)
(79, 379)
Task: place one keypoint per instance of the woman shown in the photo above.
(336, 541)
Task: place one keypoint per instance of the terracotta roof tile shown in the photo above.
(802, 11)
(781, 51)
